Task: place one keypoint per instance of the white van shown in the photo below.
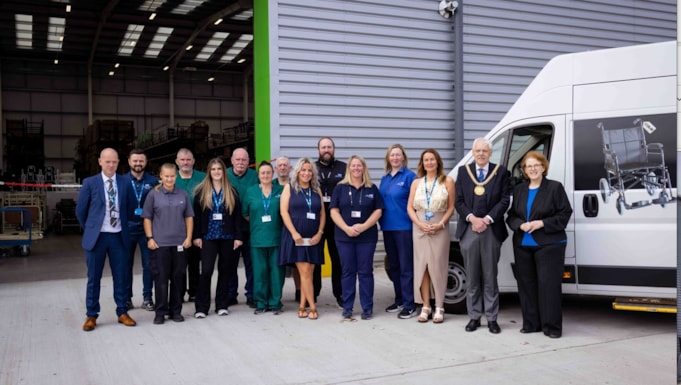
(606, 120)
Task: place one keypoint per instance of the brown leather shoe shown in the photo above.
(90, 324)
(126, 320)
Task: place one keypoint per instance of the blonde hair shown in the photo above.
(205, 189)
(167, 167)
(388, 167)
(314, 182)
(366, 179)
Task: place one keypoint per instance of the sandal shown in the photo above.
(302, 313)
(425, 313)
(313, 314)
(439, 315)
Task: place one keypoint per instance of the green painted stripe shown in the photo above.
(261, 79)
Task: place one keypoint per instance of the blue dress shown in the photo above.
(289, 252)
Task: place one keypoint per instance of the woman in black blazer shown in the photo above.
(538, 217)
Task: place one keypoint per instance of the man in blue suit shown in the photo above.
(482, 197)
(102, 212)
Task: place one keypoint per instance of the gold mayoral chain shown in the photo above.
(479, 188)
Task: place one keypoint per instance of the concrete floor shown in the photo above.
(41, 341)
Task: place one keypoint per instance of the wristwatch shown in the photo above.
(150, 238)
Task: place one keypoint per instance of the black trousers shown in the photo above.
(191, 282)
(223, 251)
(168, 267)
(336, 270)
(540, 274)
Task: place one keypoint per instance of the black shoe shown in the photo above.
(493, 327)
(525, 330)
(553, 334)
(232, 301)
(177, 318)
(473, 325)
(259, 311)
(394, 308)
(159, 320)
(407, 313)
(277, 311)
(250, 303)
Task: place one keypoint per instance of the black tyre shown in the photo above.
(457, 283)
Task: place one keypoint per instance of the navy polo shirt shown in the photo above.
(366, 200)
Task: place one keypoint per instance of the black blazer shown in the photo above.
(497, 193)
(551, 205)
(231, 223)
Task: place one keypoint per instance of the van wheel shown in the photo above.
(605, 190)
(457, 283)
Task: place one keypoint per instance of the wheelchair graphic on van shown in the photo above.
(631, 162)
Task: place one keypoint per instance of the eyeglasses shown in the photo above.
(533, 166)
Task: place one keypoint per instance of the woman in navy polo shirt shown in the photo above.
(356, 206)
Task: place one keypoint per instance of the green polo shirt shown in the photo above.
(189, 184)
(263, 234)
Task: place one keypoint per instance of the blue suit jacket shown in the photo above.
(497, 194)
(92, 205)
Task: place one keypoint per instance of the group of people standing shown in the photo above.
(274, 222)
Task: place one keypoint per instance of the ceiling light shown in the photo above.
(189, 47)
(166, 68)
(68, 8)
(218, 21)
(56, 61)
(241, 60)
(117, 65)
(152, 16)
(210, 79)
(111, 73)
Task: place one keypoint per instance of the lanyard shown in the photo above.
(138, 194)
(308, 198)
(217, 200)
(360, 196)
(428, 194)
(266, 202)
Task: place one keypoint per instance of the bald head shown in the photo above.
(108, 161)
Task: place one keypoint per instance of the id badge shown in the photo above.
(138, 211)
(180, 248)
(312, 216)
(429, 215)
(356, 214)
(266, 218)
(217, 216)
(327, 199)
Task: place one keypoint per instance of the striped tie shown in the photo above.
(112, 203)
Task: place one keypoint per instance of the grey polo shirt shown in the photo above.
(167, 211)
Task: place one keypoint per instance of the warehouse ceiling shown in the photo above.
(173, 35)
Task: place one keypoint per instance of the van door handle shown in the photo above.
(590, 205)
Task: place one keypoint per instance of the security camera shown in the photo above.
(447, 8)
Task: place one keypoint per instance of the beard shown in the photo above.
(326, 158)
(137, 168)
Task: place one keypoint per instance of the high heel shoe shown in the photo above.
(425, 313)
(439, 315)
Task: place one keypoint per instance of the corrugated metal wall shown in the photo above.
(371, 73)
(368, 73)
(506, 43)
